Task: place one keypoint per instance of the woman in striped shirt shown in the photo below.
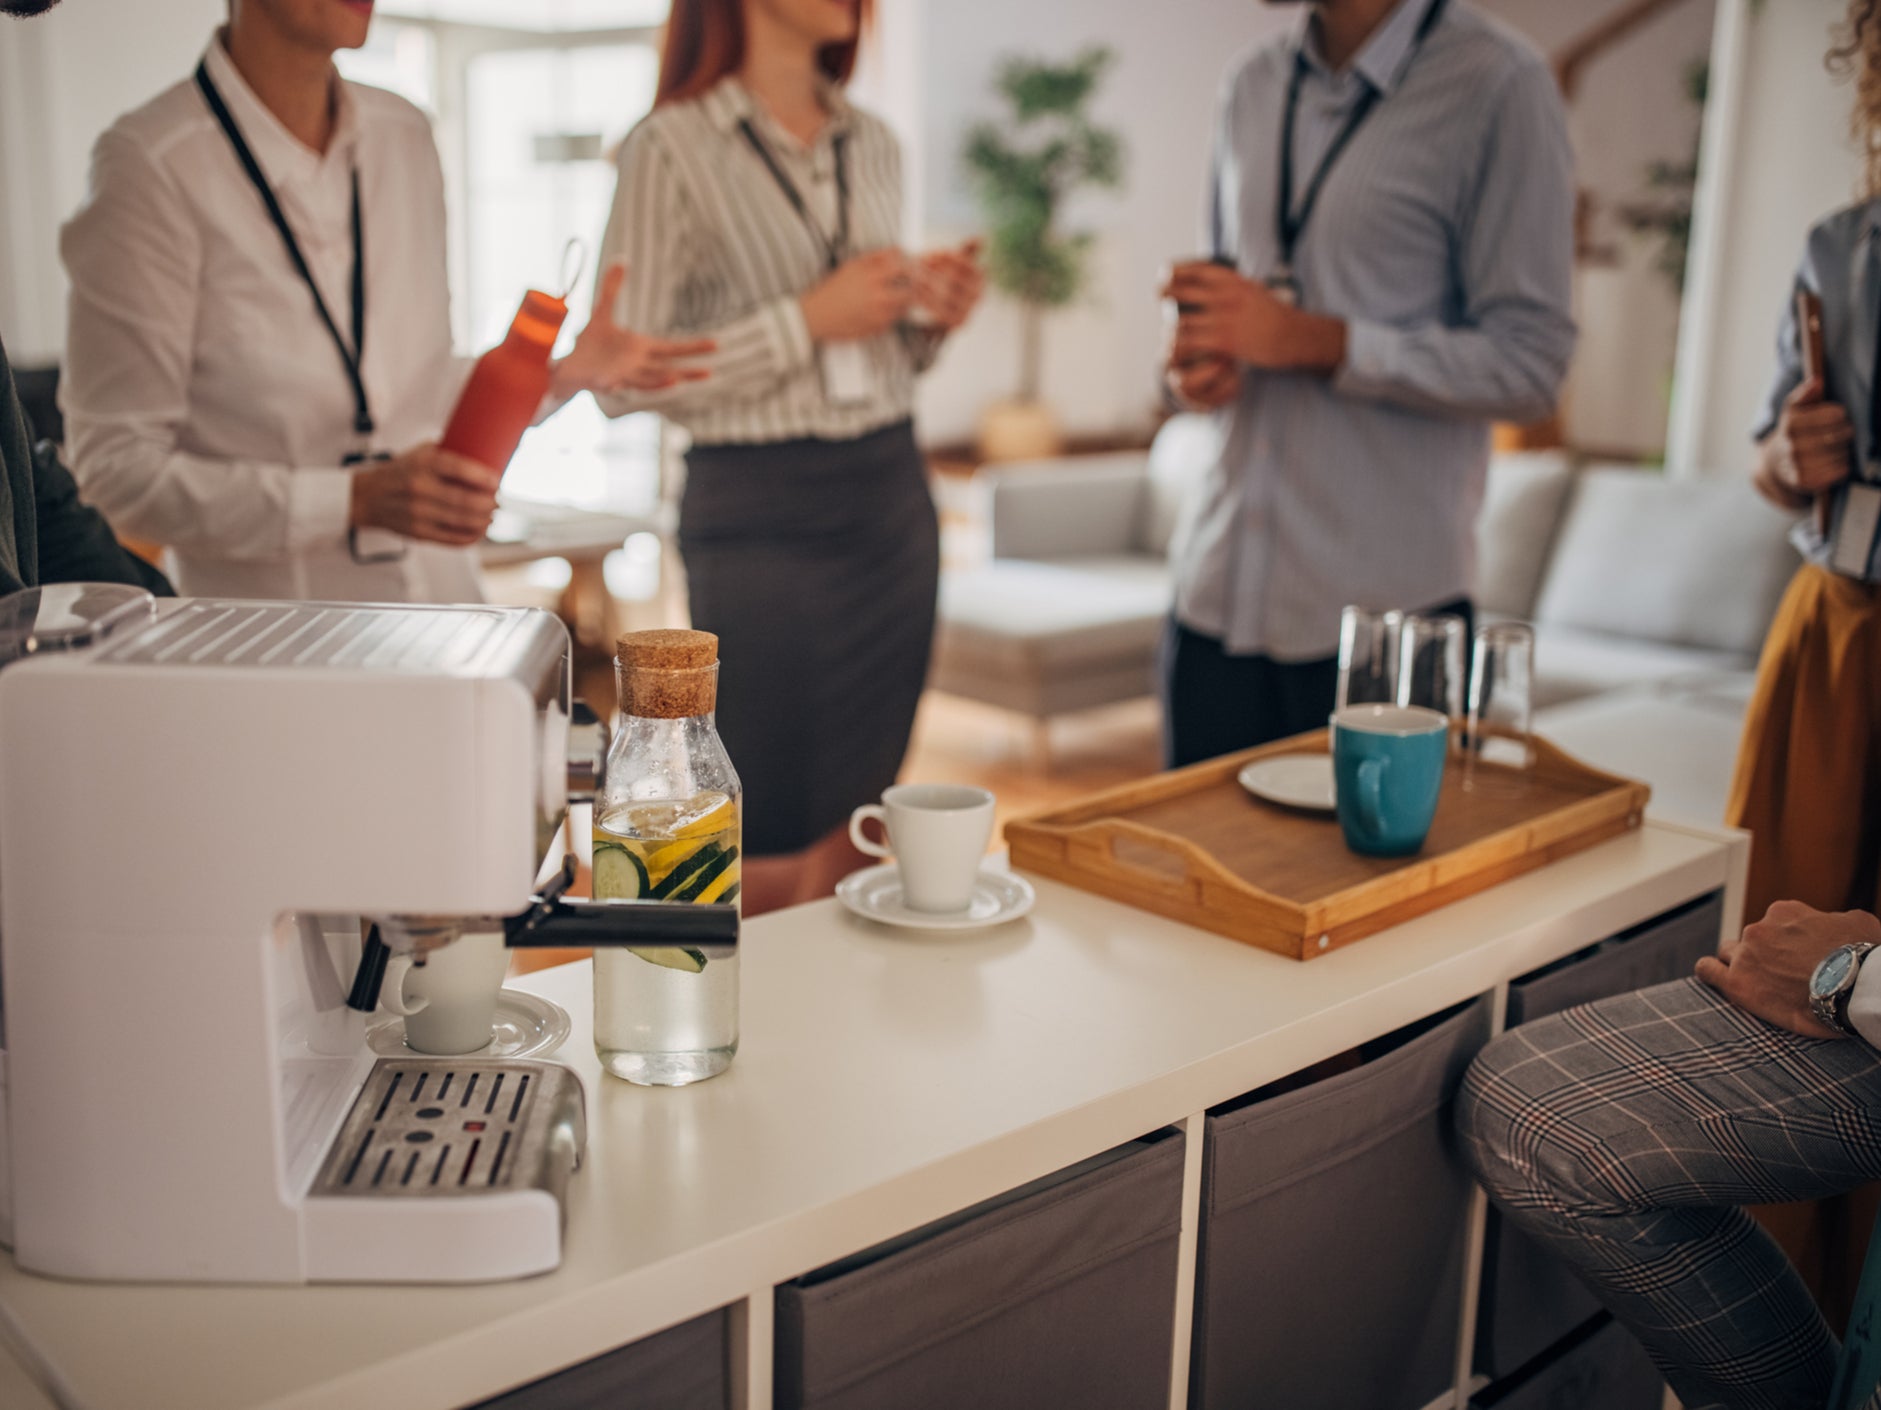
(758, 208)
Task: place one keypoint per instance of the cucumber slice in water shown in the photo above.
(618, 874)
(672, 886)
(682, 957)
(702, 879)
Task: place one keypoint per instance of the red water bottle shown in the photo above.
(506, 387)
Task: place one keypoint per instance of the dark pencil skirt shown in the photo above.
(817, 563)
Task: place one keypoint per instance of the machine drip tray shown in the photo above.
(455, 1127)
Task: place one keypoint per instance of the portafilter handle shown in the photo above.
(587, 752)
(554, 922)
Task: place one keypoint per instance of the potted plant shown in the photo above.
(1024, 168)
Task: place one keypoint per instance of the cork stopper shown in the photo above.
(667, 675)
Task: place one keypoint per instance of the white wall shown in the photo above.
(1629, 109)
(1777, 158)
(64, 77)
(1102, 358)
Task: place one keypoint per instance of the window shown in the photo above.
(529, 103)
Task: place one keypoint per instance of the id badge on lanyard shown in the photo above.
(848, 379)
(367, 546)
(848, 375)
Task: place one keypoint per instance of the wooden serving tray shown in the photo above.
(1193, 845)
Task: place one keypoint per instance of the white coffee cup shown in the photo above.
(449, 1001)
(937, 834)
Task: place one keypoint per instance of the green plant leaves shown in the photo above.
(1024, 168)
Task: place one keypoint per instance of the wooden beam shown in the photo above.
(1573, 57)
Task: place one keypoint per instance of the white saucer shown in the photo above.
(875, 894)
(1292, 780)
(525, 1026)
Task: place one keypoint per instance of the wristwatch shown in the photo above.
(1832, 984)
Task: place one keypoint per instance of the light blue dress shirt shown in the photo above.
(1841, 264)
(1443, 236)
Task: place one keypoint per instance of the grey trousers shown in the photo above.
(1629, 1133)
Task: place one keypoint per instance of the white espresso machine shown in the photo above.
(197, 804)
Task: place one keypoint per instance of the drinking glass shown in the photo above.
(1430, 664)
(1368, 657)
(1502, 695)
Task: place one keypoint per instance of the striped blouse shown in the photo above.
(715, 248)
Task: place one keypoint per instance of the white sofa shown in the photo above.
(1067, 613)
(1649, 597)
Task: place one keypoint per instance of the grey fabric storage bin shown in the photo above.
(1060, 1293)
(1330, 1269)
(1602, 1368)
(682, 1368)
(1530, 1300)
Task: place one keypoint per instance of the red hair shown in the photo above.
(705, 40)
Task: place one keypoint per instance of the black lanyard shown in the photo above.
(1287, 223)
(350, 356)
(835, 251)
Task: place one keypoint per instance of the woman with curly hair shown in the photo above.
(1808, 784)
(1633, 1135)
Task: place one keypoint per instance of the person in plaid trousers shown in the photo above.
(1629, 1134)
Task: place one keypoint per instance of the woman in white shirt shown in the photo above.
(259, 347)
(759, 208)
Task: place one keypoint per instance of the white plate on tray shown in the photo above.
(1301, 781)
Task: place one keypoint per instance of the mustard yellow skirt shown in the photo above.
(1808, 781)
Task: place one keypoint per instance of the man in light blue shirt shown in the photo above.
(1357, 339)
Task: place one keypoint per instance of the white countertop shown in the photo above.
(885, 1079)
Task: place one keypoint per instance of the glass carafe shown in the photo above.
(667, 827)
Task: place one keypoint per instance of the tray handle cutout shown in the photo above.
(1149, 859)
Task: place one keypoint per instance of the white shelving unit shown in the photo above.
(885, 1080)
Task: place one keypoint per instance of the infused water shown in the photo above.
(667, 1015)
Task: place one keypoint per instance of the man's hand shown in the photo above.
(1206, 384)
(427, 493)
(610, 358)
(867, 295)
(1767, 972)
(1225, 315)
(948, 284)
(1808, 451)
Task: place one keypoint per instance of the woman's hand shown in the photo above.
(1808, 451)
(610, 358)
(427, 493)
(865, 296)
(948, 284)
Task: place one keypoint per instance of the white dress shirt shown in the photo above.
(1443, 236)
(714, 248)
(1864, 1002)
(206, 406)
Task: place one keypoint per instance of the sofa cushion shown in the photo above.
(1182, 453)
(1521, 514)
(1080, 504)
(1571, 664)
(1025, 616)
(1698, 563)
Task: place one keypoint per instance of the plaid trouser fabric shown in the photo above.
(1628, 1134)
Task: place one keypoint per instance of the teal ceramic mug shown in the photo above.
(1387, 763)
